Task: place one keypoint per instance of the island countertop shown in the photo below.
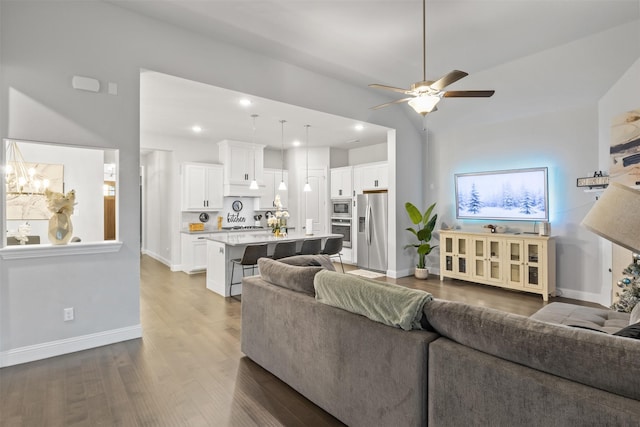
(248, 238)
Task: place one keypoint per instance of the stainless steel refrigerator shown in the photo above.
(372, 231)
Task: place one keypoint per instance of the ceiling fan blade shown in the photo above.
(469, 93)
(395, 89)
(445, 81)
(391, 103)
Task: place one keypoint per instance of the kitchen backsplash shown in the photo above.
(235, 211)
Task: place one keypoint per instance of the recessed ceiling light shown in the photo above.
(359, 126)
(296, 143)
(196, 129)
(245, 102)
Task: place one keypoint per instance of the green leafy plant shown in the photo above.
(425, 225)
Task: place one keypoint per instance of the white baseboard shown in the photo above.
(158, 257)
(582, 296)
(394, 274)
(69, 345)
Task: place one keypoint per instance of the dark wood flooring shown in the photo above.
(188, 369)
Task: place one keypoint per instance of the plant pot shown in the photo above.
(421, 273)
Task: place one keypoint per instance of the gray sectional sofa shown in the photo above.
(475, 366)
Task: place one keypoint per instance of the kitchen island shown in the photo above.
(223, 247)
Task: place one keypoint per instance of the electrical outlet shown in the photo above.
(68, 314)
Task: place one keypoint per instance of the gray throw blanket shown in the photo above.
(386, 303)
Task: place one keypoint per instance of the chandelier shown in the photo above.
(21, 177)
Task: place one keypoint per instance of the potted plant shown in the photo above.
(425, 225)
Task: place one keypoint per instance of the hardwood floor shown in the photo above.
(188, 369)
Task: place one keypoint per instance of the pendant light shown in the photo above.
(254, 183)
(307, 187)
(282, 186)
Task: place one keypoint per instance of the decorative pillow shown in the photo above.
(309, 260)
(631, 331)
(635, 314)
(296, 278)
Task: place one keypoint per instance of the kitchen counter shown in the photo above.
(222, 248)
(238, 230)
(251, 237)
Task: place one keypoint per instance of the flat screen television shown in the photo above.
(509, 195)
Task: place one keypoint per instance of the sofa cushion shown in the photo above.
(598, 319)
(294, 277)
(631, 331)
(382, 302)
(634, 316)
(310, 260)
(599, 360)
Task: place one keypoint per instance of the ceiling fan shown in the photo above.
(425, 95)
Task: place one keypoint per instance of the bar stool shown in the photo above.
(332, 247)
(249, 260)
(310, 247)
(284, 249)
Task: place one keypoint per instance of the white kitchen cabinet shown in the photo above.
(371, 176)
(272, 179)
(194, 252)
(506, 260)
(342, 182)
(202, 187)
(242, 162)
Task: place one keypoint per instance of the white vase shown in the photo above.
(60, 228)
(421, 273)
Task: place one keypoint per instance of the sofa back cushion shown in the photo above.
(294, 277)
(592, 358)
(310, 261)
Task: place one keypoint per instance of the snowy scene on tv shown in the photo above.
(517, 195)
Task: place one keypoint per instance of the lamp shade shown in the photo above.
(424, 104)
(616, 216)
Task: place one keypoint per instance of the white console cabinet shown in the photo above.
(523, 262)
(202, 187)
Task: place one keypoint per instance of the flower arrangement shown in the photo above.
(59, 202)
(278, 221)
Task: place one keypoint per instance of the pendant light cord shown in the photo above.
(307, 126)
(424, 40)
(253, 141)
(282, 122)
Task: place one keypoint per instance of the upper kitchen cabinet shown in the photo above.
(242, 162)
(272, 179)
(202, 187)
(342, 182)
(371, 176)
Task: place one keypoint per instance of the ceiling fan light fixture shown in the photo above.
(424, 104)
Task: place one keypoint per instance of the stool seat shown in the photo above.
(284, 250)
(249, 260)
(310, 247)
(332, 247)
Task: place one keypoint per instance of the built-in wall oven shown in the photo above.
(342, 225)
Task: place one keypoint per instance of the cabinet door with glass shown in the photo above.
(487, 259)
(515, 263)
(533, 264)
(455, 262)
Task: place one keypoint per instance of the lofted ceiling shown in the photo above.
(378, 41)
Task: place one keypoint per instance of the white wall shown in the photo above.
(623, 96)
(103, 41)
(83, 172)
(159, 204)
(370, 154)
(563, 141)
